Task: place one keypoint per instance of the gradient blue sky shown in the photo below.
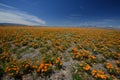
(61, 12)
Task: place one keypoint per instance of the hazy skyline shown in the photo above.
(61, 12)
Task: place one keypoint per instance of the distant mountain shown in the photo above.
(14, 24)
(11, 24)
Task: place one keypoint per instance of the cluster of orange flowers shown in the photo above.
(108, 65)
(24, 42)
(42, 67)
(5, 56)
(12, 70)
(22, 67)
(45, 67)
(99, 74)
(34, 45)
(113, 55)
(91, 57)
(112, 69)
(85, 66)
(58, 60)
(82, 55)
(79, 55)
(17, 68)
(87, 43)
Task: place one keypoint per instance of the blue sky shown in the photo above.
(61, 12)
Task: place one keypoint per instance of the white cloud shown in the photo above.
(18, 17)
(7, 6)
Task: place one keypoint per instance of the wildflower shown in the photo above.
(26, 66)
(87, 67)
(93, 72)
(58, 58)
(34, 66)
(108, 65)
(42, 65)
(50, 65)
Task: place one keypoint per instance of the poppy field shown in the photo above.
(57, 53)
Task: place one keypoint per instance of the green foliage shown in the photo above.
(76, 77)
